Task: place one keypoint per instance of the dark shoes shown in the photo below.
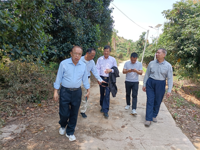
(101, 110)
(84, 115)
(106, 115)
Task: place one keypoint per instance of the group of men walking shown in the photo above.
(74, 77)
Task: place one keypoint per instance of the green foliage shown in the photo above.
(179, 101)
(140, 44)
(144, 69)
(149, 54)
(84, 23)
(22, 28)
(124, 47)
(47, 29)
(196, 93)
(181, 35)
(120, 56)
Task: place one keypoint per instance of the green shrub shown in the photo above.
(121, 56)
(23, 83)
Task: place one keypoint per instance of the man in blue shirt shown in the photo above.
(90, 65)
(71, 74)
(132, 69)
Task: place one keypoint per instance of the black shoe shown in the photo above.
(101, 110)
(106, 115)
(84, 115)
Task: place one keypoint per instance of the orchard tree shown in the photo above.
(22, 24)
(81, 22)
(140, 44)
(181, 36)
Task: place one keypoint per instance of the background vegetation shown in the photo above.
(35, 35)
(181, 38)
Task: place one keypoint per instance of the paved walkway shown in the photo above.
(123, 131)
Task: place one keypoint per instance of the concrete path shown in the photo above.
(123, 131)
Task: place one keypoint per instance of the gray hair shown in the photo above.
(163, 50)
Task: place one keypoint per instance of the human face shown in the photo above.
(133, 60)
(160, 55)
(106, 52)
(91, 55)
(76, 54)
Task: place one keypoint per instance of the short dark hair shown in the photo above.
(89, 50)
(107, 47)
(134, 55)
(77, 47)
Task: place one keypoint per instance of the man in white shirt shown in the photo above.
(104, 65)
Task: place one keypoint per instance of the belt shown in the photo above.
(104, 77)
(73, 89)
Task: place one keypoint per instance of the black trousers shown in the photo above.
(104, 96)
(131, 86)
(68, 108)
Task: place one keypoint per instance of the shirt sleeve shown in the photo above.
(170, 79)
(85, 79)
(59, 76)
(146, 75)
(95, 73)
(98, 66)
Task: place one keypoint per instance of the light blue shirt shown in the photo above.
(90, 65)
(71, 76)
(132, 76)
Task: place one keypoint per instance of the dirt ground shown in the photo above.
(184, 106)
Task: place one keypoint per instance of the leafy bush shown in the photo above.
(23, 83)
(120, 56)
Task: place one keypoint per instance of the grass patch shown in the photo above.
(144, 69)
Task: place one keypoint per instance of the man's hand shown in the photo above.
(168, 95)
(55, 95)
(137, 71)
(144, 89)
(103, 82)
(107, 71)
(129, 70)
(88, 93)
(134, 70)
(126, 71)
(99, 82)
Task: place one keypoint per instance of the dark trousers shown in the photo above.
(68, 108)
(155, 90)
(104, 96)
(131, 86)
